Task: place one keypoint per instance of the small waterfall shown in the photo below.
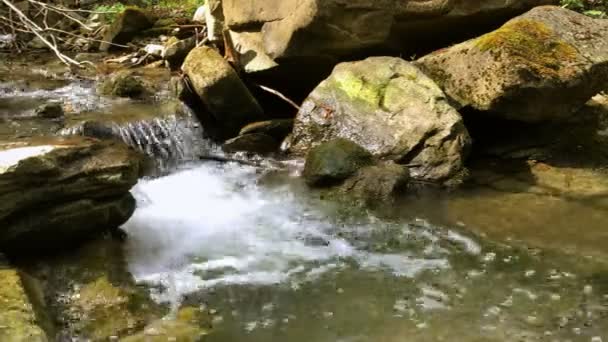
(170, 139)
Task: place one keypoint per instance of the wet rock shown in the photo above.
(59, 191)
(127, 25)
(20, 319)
(176, 51)
(123, 84)
(318, 29)
(189, 325)
(334, 161)
(252, 142)
(52, 110)
(542, 66)
(227, 100)
(389, 107)
(91, 294)
(278, 129)
(155, 50)
(378, 184)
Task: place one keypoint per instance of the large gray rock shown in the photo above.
(389, 107)
(60, 191)
(312, 28)
(543, 65)
(228, 103)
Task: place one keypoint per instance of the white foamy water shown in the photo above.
(215, 225)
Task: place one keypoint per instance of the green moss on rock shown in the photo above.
(531, 43)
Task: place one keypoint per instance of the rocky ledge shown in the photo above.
(55, 191)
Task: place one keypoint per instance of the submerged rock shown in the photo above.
(58, 191)
(189, 325)
(389, 107)
(227, 100)
(252, 142)
(20, 319)
(334, 161)
(278, 129)
(127, 25)
(91, 296)
(544, 65)
(378, 184)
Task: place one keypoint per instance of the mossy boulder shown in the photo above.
(123, 84)
(228, 103)
(131, 22)
(334, 161)
(541, 66)
(20, 319)
(58, 191)
(390, 108)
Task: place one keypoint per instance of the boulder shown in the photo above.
(20, 317)
(377, 185)
(58, 191)
(541, 66)
(252, 142)
(228, 103)
(390, 108)
(125, 27)
(214, 18)
(332, 162)
(311, 28)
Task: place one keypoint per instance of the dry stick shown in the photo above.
(35, 28)
(277, 93)
(61, 11)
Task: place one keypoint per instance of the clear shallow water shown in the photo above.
(275, 263)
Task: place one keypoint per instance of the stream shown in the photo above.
(273, 261)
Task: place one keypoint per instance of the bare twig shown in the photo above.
(275, 92)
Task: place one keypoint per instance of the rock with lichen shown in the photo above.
(390, 108)
(543, 65)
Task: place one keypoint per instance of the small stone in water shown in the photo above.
(555, 297)
(489, 257)
(596, 339)
(421, 325)
(576, 331)
(533, 320)
(530, 273)
(588, 289)
(340, 290)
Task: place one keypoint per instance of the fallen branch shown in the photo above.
(277, 93)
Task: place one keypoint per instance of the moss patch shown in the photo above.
(531, 43)
(360, 88)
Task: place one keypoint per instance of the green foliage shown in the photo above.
(592, 8)
(110, 11)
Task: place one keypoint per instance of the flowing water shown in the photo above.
(273, 261)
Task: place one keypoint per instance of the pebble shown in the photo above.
(530, 273)
(588, 290)
(555, 297)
